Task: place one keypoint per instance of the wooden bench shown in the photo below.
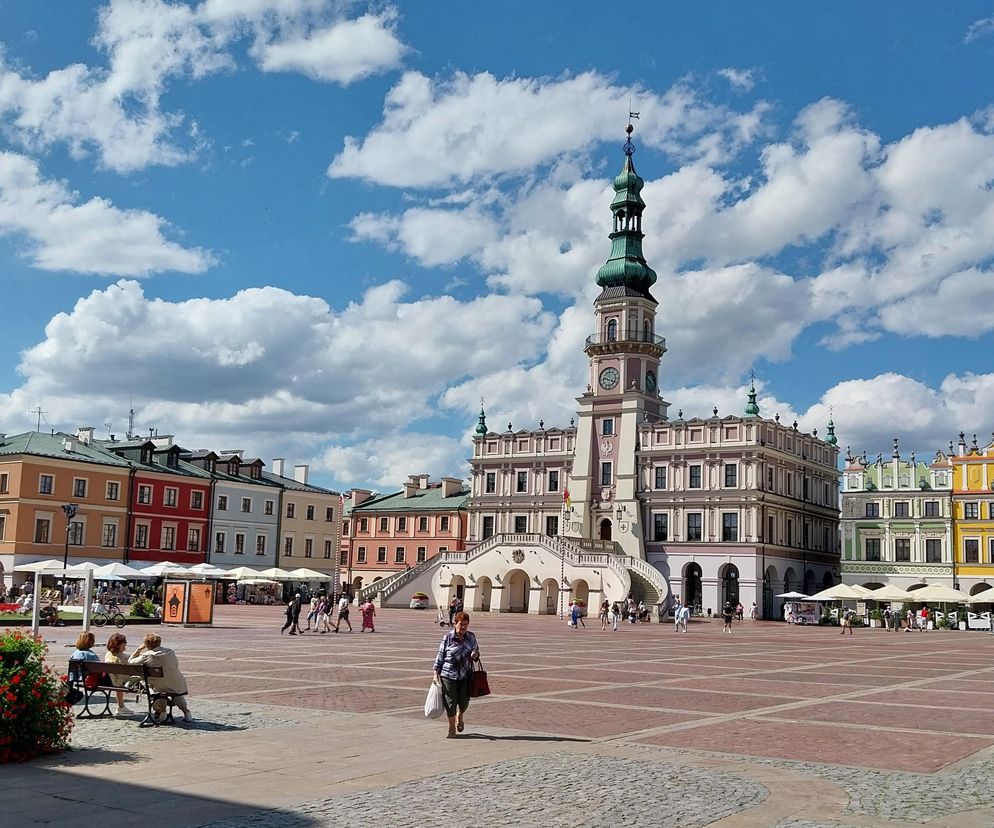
(80, 671)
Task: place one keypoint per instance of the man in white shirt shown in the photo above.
(343, 612)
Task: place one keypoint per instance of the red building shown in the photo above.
(169, 507)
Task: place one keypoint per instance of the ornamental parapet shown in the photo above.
(890, 568)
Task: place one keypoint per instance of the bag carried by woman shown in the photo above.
(478, 684)
(434, 707)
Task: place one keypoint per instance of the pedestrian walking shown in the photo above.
(455, 605)
(909, 620)
(289, 619)
(576, 614)
(603, 613)
(683, 617)
(754, 611)
(739, 611)
(615, 615)
(297, 603)
(727, 616)
(453, 668)
(368, 611)
(846, 621)
(343, 613)
(322, 622)
(312, 612)
(676, 615)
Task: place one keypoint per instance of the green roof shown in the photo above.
(423, 500)
(39, 444)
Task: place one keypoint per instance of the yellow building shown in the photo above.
(973, 515)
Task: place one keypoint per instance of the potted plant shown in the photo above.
(419, 600)
(876, 616)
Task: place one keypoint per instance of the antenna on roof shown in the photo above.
(40, 414)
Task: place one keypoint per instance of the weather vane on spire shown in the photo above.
(629, 146)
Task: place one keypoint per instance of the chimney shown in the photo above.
(279, 466)
(70, 443)
(300, 473)
(411, 488)
(451, 486)
(162, 441)
(423, 480)
(360, 496)
(85, 435)
(239, 452)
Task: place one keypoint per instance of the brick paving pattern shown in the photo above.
(772, 725)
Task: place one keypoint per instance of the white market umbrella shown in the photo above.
(861, 590)
(206, 570)
(939, 593)
(794, 595)
(839, 592)
(985, 597)
(160, 570)
(277, 574)
(41, 566)
(310, 574)
(889, 592)
(240, 572)
(81, 569)
(119, 570)
(257, 582)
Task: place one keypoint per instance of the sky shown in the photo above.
(326, 230)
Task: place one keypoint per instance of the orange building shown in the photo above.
(40, 474)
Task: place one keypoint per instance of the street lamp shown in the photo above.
(70, 510)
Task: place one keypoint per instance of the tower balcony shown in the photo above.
(633, 341)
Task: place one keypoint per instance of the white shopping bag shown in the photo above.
(433, 703)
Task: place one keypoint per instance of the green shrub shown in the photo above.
(143, 608)
(828, 621)
(34, 717)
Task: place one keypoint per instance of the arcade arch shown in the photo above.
(516, 591)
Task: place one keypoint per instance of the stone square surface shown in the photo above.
(772, 725)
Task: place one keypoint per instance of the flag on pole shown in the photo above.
(567, 502)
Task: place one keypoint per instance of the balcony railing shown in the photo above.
(625, 336)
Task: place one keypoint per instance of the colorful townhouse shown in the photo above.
(168, 505)
(310, 533)
(245, 520)
(394, 532)
(973, 511)
(897, 521)
(60, 496)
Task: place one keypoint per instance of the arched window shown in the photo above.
(646, 330)
(612, 330)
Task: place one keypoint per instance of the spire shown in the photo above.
(831, 439)
(481, 426)
(752, 407)
(626, 267)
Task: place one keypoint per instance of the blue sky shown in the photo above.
(324, 230)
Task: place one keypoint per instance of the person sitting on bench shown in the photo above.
(172, 682)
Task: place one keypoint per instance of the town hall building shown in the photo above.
(629, 501)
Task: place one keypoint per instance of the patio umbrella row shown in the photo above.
(933, 593)
(119, 571)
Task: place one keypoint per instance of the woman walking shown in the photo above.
(727, 615)
(453, 669)
(603, 615)
(615, 615)
(368, 610)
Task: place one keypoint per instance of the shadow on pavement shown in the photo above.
(36, 794)
(521, 738)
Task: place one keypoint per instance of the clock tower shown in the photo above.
(623, 353)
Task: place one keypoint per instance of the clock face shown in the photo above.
(650, 381)
(609, 378)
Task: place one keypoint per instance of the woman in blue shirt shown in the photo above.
(454, 668)
(84, 648)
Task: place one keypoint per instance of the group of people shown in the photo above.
(152, 653)
(320, 612)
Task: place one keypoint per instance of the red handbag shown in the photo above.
(478, 684)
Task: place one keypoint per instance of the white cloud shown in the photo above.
(979, 28)
(280, 367)
(741, 80)
(115, 109)
(386, 462)
(436, 133)
(88, 237)
(343, 52)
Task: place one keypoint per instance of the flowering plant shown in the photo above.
(34, 716)
(9, 607)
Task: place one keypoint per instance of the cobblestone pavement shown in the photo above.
(772, 726)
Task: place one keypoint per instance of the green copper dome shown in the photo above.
(752, 407)
(626, 266)
(481, 426)
(831, 439)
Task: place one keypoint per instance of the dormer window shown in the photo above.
(233, 468)
(146, 456)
